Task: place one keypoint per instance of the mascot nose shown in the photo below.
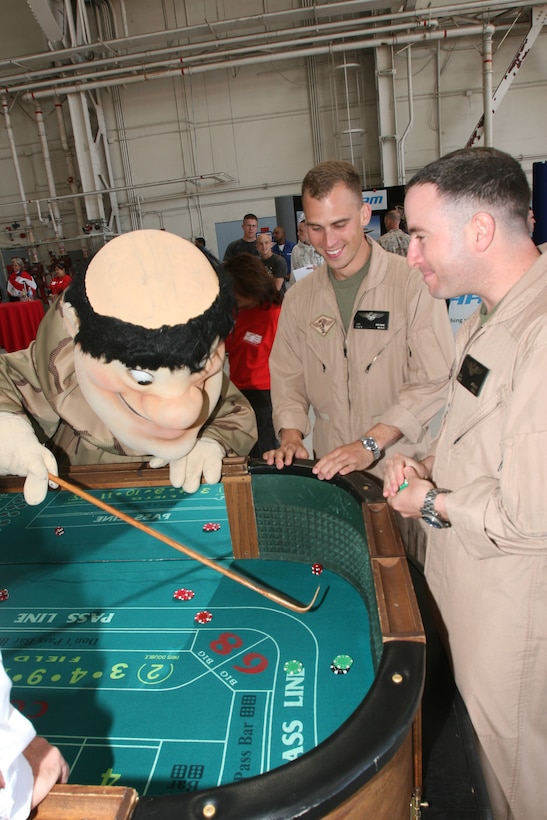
(177, 409)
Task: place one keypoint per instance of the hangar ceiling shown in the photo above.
(66, 52)
(88, 50)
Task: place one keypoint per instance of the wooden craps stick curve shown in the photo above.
(272, 595)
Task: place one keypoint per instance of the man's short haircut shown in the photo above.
(173, 346)
(250, 216)
(482, 177)
(321, 179)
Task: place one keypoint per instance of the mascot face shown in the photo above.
(153, 412)
(148, 299)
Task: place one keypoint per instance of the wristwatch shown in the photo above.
(371, 444)
(429, 514)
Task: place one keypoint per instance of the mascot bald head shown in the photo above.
(151, 299)
(149, 319)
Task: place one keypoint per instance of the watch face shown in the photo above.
(433, 520)
(370, 444)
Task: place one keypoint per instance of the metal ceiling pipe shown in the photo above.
(401, 142)
(175, 181)
(55, 213)
(103, 9)
(71, 169)
(440, 150)
(305, 12)
(272, 40)
(444, 34)
(11, 140)
(70, 22)
(487, 86)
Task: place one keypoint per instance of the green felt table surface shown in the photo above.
(118, 673)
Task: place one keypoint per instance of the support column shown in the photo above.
(387, 114)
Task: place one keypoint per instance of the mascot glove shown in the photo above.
(204, 459)
(22, 454)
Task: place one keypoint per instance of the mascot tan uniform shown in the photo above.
(128, 366)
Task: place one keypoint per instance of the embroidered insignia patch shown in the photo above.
(472, 375)
(323, 324)
(371, 320)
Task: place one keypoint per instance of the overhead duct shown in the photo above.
(122, 77)
(210, 38)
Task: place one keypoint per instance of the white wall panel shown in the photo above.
(253, 123)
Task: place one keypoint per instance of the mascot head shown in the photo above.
(149, 318)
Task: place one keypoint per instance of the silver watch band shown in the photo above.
(428, 512)
(370, 443)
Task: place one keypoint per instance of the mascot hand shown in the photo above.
(22, 454)
(204, 459)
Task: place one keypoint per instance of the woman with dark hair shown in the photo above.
(249, 345)
(61, 279)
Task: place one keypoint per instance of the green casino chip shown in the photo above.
(293, 667)
(342, 664)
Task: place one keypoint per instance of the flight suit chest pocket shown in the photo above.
(476, 415)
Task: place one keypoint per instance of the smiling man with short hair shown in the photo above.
(482, 488)
(359, 339)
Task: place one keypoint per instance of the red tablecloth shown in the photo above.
(18, 324)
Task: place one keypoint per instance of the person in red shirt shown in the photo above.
(61, 279)
(249, 345)
(21, 285)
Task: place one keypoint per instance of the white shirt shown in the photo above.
(16, 732)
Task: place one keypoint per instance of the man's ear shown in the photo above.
(70, 319)
(366, 214)
(483, 229)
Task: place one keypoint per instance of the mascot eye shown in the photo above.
(141, 377)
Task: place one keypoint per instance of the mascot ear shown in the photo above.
(70, 318)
